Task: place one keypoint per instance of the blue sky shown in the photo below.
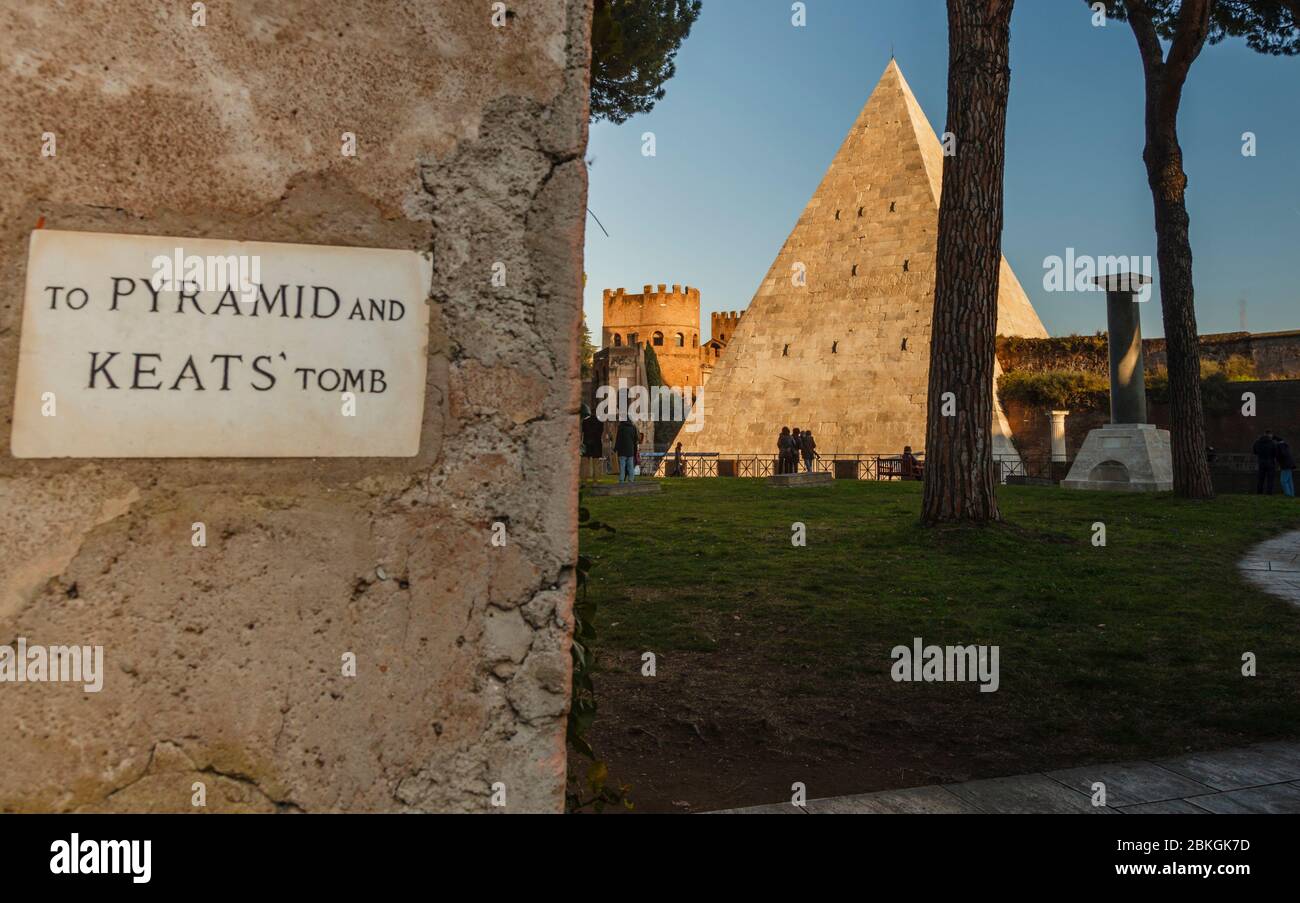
(758, 109)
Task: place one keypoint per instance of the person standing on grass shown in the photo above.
(625, 442)
(1285, 464)
(809, 450)
(593, 440)
(1265, 450)
(783, 444)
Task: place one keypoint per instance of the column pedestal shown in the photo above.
(1125, 457)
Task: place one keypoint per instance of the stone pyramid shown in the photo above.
(847, 353)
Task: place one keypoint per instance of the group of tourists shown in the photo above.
(1274, 456)
(791, 446)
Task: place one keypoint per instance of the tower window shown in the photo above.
(618, 340)
(695, 340)
(680, 340)
(658, 338)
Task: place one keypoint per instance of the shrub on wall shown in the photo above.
(1082, 353)
(1217, 395)
(1055, 390)
(1084, 390)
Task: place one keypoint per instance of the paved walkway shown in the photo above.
(1274, 566)
(1263, 778)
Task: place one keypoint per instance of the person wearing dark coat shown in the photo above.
(808, 448)
(593, 434)
(1265, 450)
(625, 443)
(784, 443)
(911, 466)
(1285, 464)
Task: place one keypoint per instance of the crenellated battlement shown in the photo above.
(663, 294)
(723, 324)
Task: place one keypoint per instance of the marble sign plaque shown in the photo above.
(140, 346)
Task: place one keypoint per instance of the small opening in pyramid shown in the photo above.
(860, 209)
(835, 347)
(905, 263)
(837, 214)
(891, 206)
(855, 269)
(785, 352)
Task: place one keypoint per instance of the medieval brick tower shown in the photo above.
(837, 337)
(669, 321)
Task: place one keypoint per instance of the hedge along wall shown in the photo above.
(1277, 408)
(1072, 373)
(1273, 355)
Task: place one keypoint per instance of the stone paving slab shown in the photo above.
(1131, 783)
(1234, 769)
(640, 487)
(913, 801)
(773, 809)
(795, 480)
(1264, 778)
(1164, 807)
(1023, 794)
(1278, 799)
(1274, 566)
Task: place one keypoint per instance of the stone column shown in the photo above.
(1128, 397)
(1058, 435)
(1128, 454)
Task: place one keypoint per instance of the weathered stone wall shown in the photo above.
(223, 663)
(1275, 355)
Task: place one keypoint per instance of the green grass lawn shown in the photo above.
(774, 658)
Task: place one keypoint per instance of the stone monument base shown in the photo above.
(640, 487)
(1124, 457)
(817, 478)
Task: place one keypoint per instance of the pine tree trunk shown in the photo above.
(960, 482)
(1164, 161)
